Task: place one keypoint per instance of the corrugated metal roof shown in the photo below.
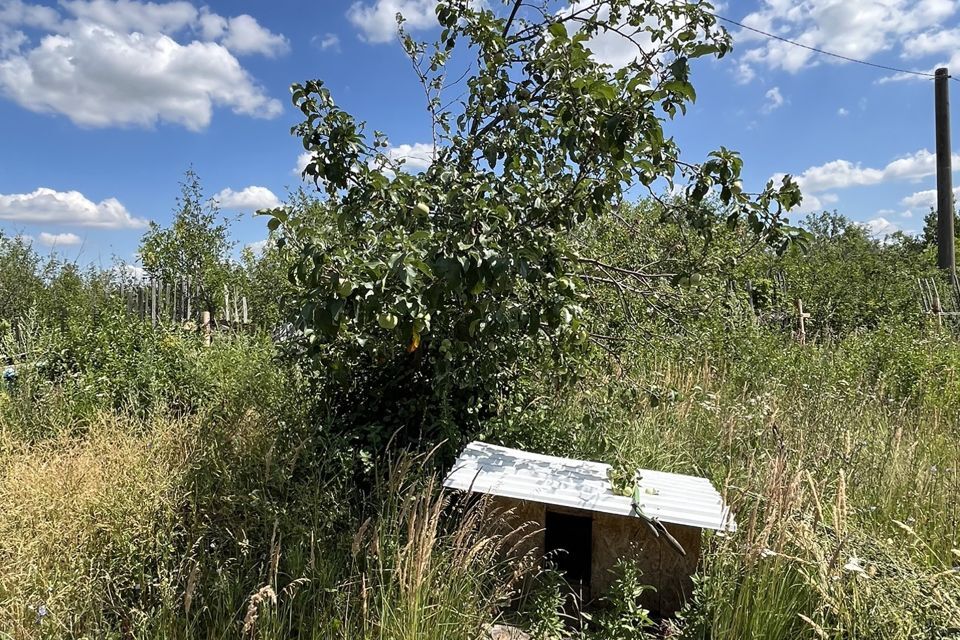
(579, 484)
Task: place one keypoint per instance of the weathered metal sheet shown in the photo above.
(579, 484)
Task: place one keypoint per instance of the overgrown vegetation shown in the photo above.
(156, 488)
(284, 481)
(433, 287)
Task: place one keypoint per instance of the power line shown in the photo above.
(826, 53)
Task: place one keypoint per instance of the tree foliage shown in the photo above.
(929, 233)
(848, 280)
(197, 244)
(443, 282)
(21, 283)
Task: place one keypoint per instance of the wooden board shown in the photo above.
(614, 538)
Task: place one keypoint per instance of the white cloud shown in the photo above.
(11, 41)
(774, 100)
(610, 46)
(745, 73)
(415, 156)
(815, 203)
(921, 164)
(241, 34)
(98, 77)
(842, 112)
(129, 15)
(327, 41)
(810, 204)
(880, 227)
(925, 199)
(952, 63)
(840, 174)
(46, 206)
(253, 198)
(302, 160)
(830, 198)
(244, 35)
(59, 239)
(837, 175)
(130, 272)
(258, 247)
(378, 23)
(932, 42)
(855, 29)
(120, 62)
(17, 13)
(908, 77)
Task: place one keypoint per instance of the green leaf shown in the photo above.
(558, 30)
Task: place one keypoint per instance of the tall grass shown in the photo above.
(102, 536)
(88, 529)
(223, 512)
(842, 463)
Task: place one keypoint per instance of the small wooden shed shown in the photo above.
(585, 528)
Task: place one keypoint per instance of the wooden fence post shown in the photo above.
(153, 302)
(802, 334)
(175, 311)
(936, 303)
(171, 302)
(236, 307)
(167, 314)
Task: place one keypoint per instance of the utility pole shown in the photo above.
(945, 254)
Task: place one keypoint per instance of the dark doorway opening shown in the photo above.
(568, 542)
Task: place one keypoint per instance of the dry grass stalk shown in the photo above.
(265, 597)
(191, 586)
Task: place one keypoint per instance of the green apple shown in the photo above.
(387, 320)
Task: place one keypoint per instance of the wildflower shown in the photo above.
(42, 613)
(853, 566)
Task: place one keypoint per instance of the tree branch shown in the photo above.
(513, 14)
(629, 272)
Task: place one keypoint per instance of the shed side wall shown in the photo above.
(614, 538)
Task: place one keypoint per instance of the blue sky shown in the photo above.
(104, 104)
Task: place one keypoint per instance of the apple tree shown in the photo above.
(421, 296)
